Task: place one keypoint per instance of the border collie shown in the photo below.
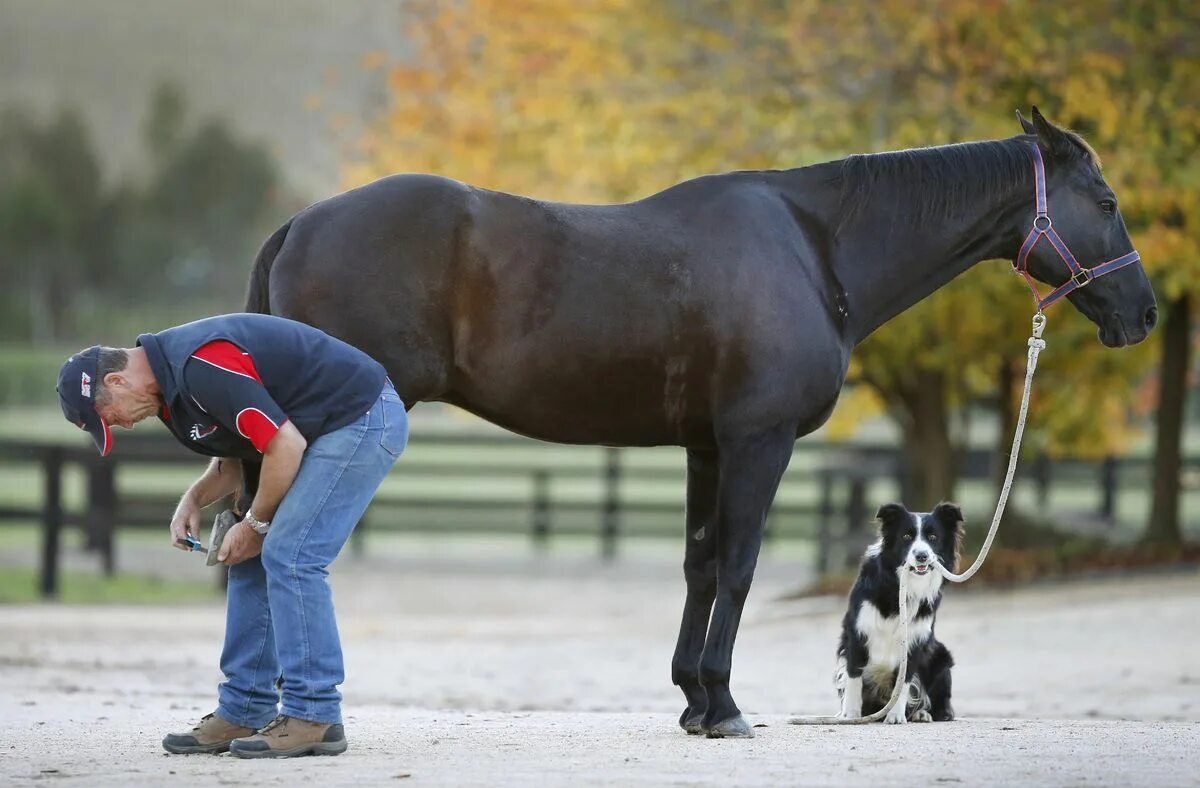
(868, 655)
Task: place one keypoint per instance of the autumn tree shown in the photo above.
(609, 101)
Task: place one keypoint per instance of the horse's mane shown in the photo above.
(934, 182)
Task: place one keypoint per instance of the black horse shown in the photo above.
(718, 315)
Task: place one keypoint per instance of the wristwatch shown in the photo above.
(258, 526)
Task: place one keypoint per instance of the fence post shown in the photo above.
(612, 504)
(358, 537)
(52, 518)
(825, 523)
(541, 508)
(102, 514)
(1108, 488)
(1042, 470)
(856, 515)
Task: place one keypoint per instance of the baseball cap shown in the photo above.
(77, 381)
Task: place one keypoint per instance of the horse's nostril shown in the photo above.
(1151, 318)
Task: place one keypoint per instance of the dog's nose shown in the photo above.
(922, 556)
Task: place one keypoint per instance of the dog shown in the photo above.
(868, 656)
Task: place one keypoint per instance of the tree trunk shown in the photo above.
(1163, 527)
(928, 450)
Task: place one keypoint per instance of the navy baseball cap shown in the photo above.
(76, 394)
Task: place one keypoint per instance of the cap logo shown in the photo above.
(85, 385)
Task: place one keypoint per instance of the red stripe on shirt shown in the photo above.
(229, 357)
(257, 427)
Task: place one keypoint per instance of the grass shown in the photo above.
(19, 585)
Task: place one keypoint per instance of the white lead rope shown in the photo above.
(1036, 346)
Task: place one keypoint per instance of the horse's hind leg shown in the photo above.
(700, 572)
(750, 469)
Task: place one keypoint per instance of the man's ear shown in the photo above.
(115, 380)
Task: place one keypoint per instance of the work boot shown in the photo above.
(212, 735)
(287, 736)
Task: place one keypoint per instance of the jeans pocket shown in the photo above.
(394, 436)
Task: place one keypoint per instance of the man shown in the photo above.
(326, 425)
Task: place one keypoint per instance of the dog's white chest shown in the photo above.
(884, 647)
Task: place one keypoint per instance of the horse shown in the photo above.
(718, 315)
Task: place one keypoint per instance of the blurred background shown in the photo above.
(147, 148)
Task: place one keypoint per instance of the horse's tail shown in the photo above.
(258, 297)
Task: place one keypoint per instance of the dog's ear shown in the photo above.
(890, 515)
(951, 517)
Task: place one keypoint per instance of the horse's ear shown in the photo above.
(1025, 124)
(1052, 139)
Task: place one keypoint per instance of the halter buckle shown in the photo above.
(1082, 278)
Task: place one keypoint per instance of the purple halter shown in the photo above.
(1044, 228)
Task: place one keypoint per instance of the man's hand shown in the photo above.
(240, 543)
(185, 521)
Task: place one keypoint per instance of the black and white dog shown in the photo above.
(869, 652)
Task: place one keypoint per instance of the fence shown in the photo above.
(468, 483)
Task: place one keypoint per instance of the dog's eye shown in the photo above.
(908, 537)
(932, 537)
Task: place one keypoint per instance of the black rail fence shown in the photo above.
(514, 485)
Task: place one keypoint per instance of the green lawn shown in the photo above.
(19, 585)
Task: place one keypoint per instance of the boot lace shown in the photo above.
(278, 722)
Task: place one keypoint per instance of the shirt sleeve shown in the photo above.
(225, 384)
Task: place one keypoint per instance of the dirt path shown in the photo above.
(555, 671)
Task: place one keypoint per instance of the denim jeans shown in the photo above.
(281, 637)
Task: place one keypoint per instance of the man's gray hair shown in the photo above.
(112, 359)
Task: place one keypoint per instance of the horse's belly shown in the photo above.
(617, 409)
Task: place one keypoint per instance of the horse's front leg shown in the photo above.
(700, 572)
(750, 469)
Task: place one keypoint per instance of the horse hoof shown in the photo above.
(691, 721)
(732, 728)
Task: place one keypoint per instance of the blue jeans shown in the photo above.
(281, 637)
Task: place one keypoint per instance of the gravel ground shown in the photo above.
(555, 670)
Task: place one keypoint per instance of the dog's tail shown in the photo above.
(258, 296)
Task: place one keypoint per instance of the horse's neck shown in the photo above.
(890, 272)
(887, 261)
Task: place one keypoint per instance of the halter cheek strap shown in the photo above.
(1043, 227)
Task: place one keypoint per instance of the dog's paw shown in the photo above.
(920, 715)
(896, 715)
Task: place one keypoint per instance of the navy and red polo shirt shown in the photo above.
(230, 382)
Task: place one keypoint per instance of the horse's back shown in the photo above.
(627, 323)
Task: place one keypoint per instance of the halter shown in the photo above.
(1043, 227)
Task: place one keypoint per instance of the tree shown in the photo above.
(50, 229)
(614, 101)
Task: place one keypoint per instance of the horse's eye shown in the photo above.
(1108, 206)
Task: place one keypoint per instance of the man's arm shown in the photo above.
(281, 462)
(220, 479)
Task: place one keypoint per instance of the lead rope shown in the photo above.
(1036, 345)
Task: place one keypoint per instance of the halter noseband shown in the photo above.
(1043, 227)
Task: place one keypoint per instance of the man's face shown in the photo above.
(126, 404)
